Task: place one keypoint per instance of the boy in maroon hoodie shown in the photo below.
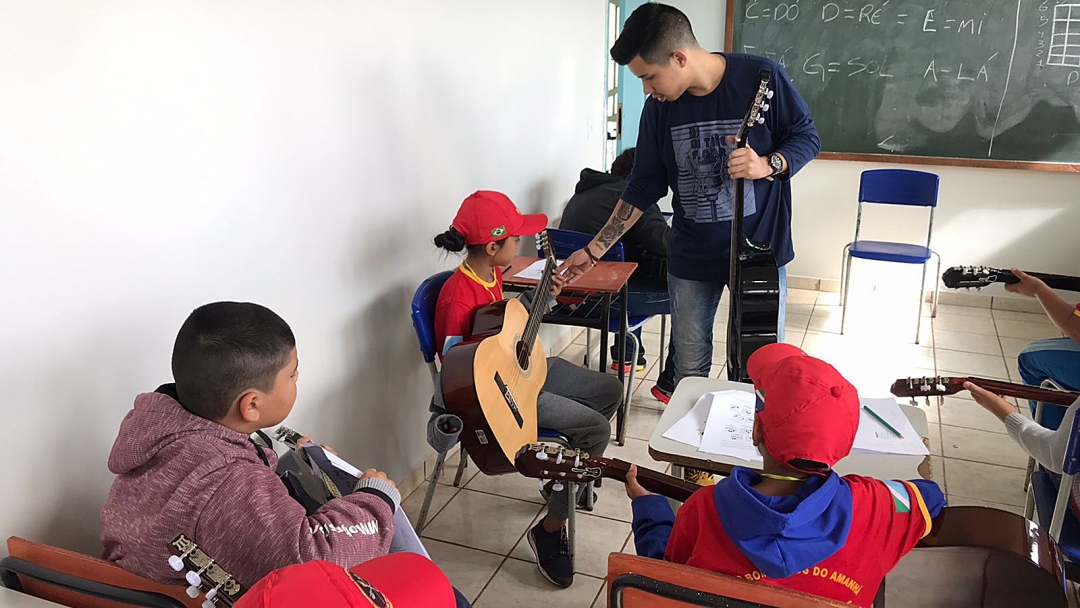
(185, 464)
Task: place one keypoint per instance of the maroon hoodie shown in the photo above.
(180, 473)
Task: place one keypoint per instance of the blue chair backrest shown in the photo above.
(1071, 466)
(423, 313)
(566, 242)
(899, 187)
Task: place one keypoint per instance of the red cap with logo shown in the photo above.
(807, 410)
(487, 216)
(397, 580)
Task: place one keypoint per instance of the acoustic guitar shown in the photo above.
(754, 280)
(950, 385)
(492, 380)
(204, 575)
(977, 277)
(973, 556)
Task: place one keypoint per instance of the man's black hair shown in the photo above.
(654, 31)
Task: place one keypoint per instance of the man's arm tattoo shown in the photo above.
(616, 226)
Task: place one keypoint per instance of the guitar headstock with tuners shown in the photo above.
(758, 107)
(939, 386)
(976, 277)
(545, 461)
(203, 574)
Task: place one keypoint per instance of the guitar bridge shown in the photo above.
(511, 403)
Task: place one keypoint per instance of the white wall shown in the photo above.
(155, 156)
(996, 217)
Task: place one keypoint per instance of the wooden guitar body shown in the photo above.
(495, 397)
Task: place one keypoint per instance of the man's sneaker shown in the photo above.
(701, 478)
(661, 395)
(545, 492)
(552, 550)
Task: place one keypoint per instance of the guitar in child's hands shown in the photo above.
(977, 277)
(203, 574)
(492, 380)
(950, 385)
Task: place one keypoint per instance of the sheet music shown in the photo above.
(534, 271)
(729, 430)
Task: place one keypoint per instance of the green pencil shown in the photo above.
(882, 421)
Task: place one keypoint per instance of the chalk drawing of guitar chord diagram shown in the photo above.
(1065, 37)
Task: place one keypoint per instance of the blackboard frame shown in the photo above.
(942, 161)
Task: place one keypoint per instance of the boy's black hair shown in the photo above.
(224, 349)
(654, 31)
(624, 163)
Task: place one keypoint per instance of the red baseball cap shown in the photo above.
(807, 410)
(487, 216)
(397, 580)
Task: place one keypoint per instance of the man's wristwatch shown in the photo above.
(776, 163)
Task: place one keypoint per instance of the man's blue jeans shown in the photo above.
(693, 311)
(1057, 359)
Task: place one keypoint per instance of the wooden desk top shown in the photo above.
(880, 466)
(606, 277)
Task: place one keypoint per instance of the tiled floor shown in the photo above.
(476, 533)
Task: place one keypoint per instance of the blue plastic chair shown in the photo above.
(423, 318)
(1048, 497)
(894, 187)
(565, 242)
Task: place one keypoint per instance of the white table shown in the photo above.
(880, 466)
(14, 599)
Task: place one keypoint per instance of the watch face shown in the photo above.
(775, 162)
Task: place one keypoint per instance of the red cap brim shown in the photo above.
(532, 223)
(408, 579)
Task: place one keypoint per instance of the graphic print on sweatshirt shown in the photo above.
(706, 192)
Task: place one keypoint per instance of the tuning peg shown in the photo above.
(176, 562)
(211, 594)
(193, 579)
(765, 107)
(760, 120)
(541, 456)
(768, 94)
(193, 592)
(557, 487)
(559, 458)
(209, 604)
(577, 461)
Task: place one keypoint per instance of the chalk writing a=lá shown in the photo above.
(777, 11)
(933, 22)
(963, 72)
(780, 58)
(817, 65)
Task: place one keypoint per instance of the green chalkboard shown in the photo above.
(975, 82)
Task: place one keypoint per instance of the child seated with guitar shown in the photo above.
(185, 463)
(575, 401)
(797, 524)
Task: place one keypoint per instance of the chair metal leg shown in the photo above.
(422, 520)
(922, 294)
(937, 288)
(663, 341)
(845, 271)
(588, 347)
(624, 408)
(462, 465)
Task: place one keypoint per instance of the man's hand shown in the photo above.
(633, 488)
(307, 439)
(1028, 286)
(557, 282)
(994, 404)
(744, 163)
(577, 264)
(369, 473)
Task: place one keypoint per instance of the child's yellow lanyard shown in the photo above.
(487, 285)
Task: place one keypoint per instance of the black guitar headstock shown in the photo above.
(976, 277)
(757, 108)
(203, 574)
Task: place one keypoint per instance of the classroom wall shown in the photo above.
(1027, 219)
(155, 156)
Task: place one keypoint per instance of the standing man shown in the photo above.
(696, 101)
